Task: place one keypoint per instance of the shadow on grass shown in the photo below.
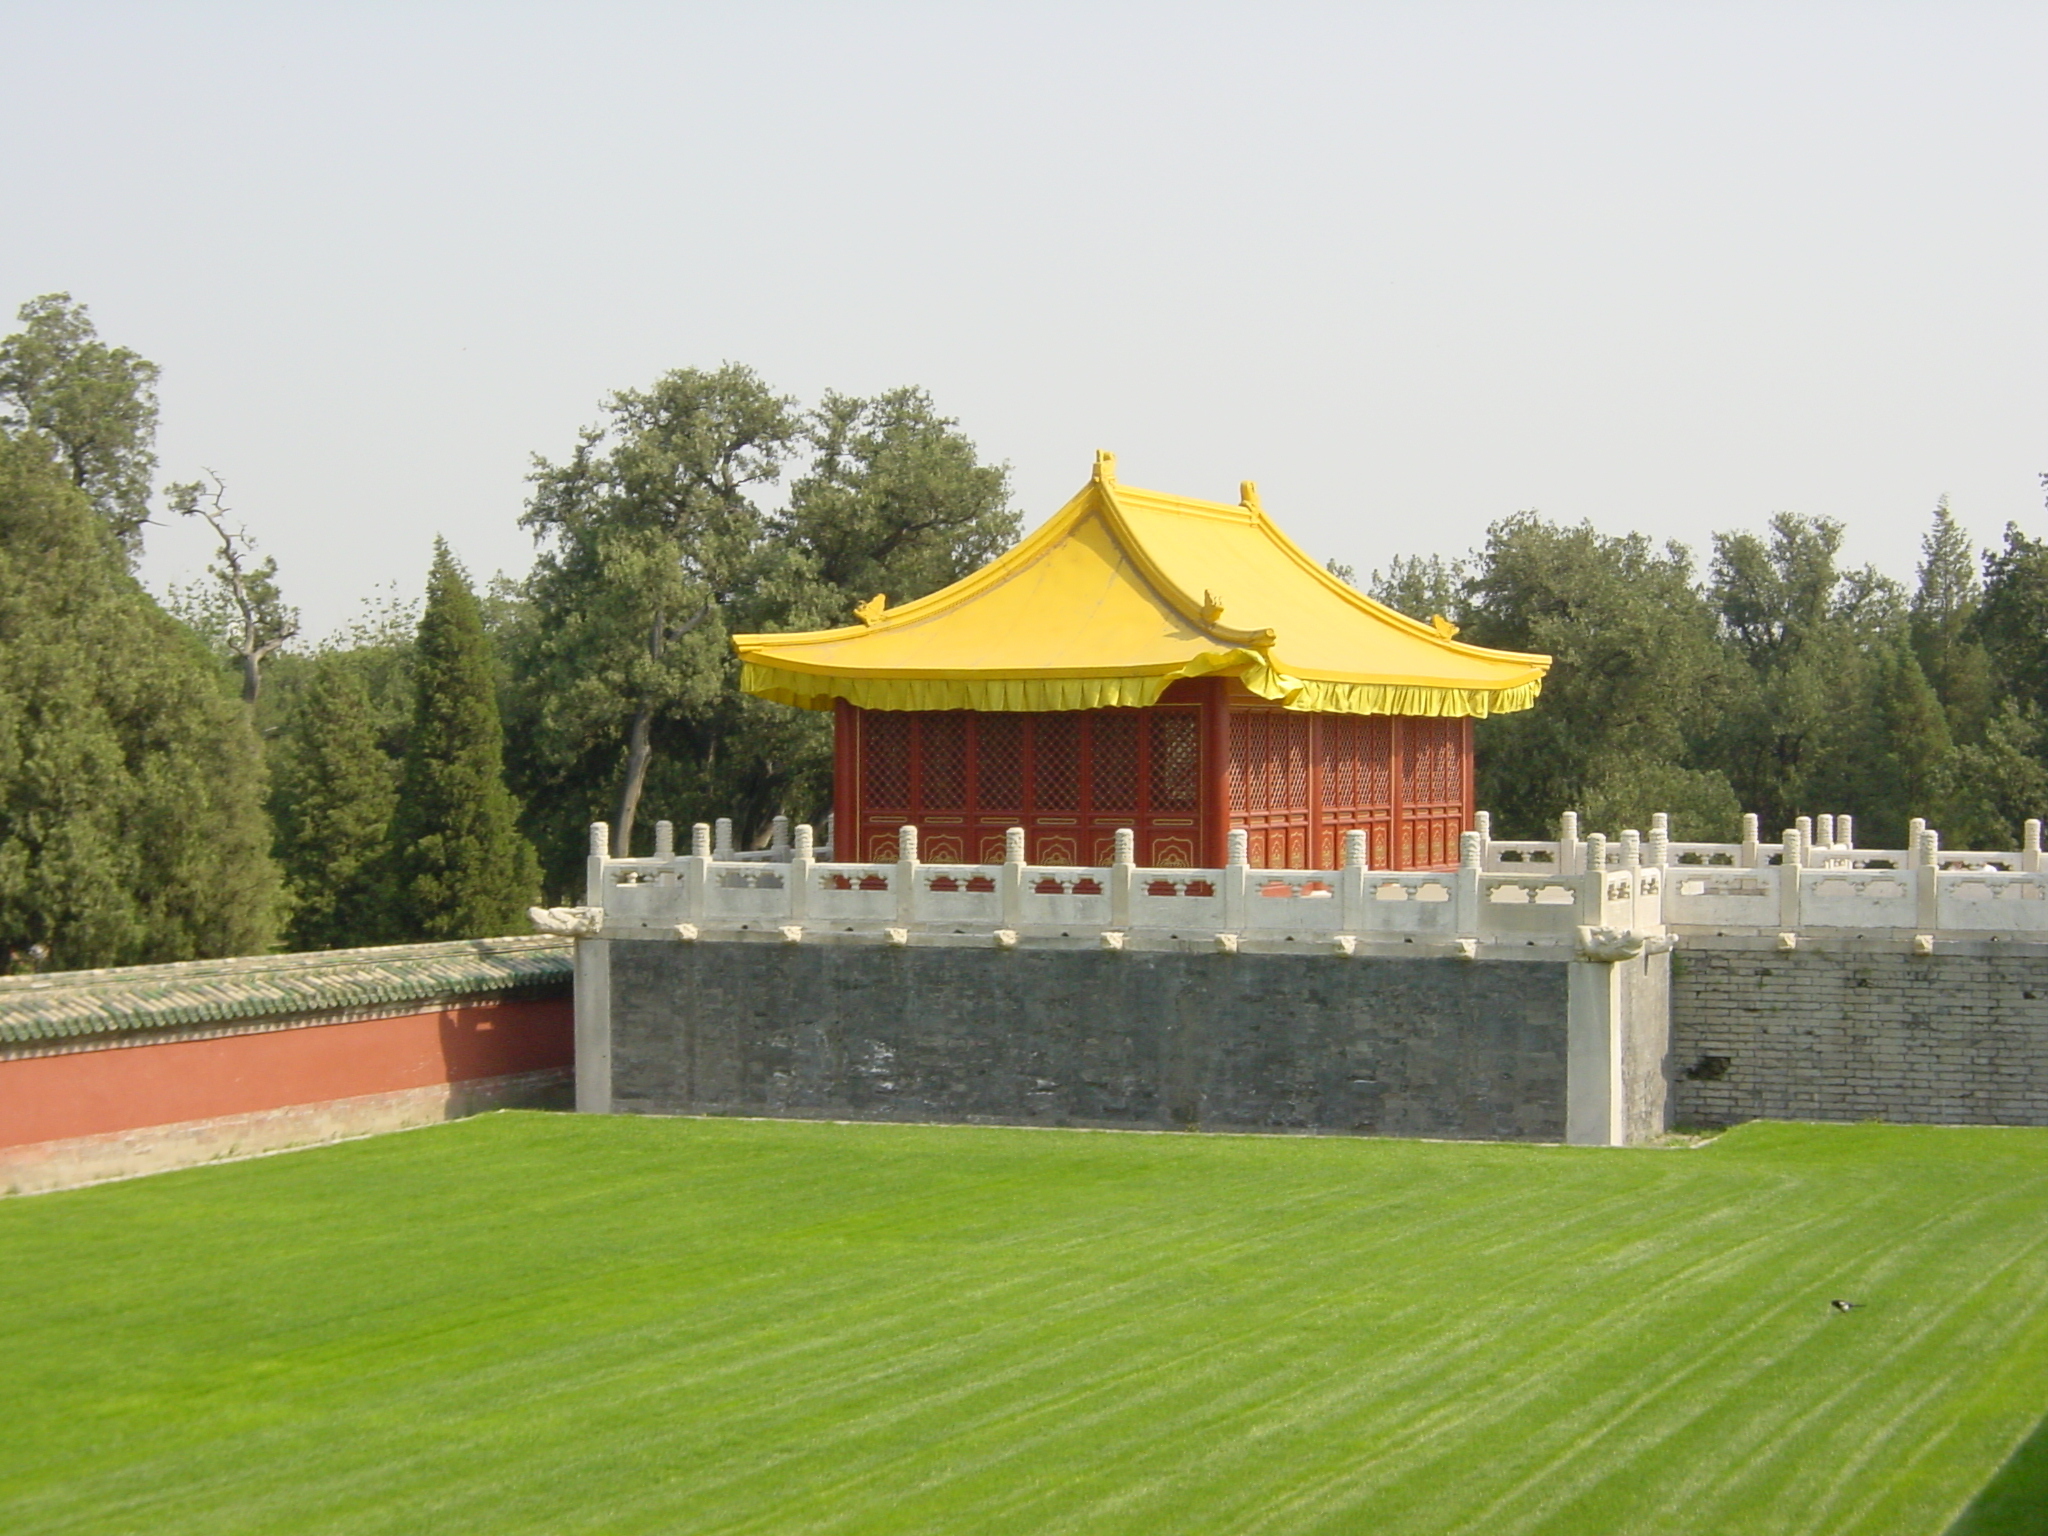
(2015, 1502)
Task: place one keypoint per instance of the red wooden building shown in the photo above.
(1087, 681)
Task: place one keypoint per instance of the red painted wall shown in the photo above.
(49, 1098)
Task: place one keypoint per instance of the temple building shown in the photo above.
(1154, 662)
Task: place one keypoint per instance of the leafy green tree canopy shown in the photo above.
(93, 406)
(896, 500)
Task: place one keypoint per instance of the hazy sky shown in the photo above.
(1410, 267)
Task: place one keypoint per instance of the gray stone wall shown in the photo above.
(1413, 1047)
(1851, 1032)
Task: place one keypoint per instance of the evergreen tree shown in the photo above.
(1902, 752)
(2012, 620)
(334, 792)
(131, 785)
(1945, 604)
(459, 867)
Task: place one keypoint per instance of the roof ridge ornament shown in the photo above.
(1248, 497)
(1105, 466)
(871, 611)
(1212, 607)
(1443, 626)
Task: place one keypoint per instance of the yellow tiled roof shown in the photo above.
(1120, 594)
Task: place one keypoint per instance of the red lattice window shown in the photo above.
(1056, 763)
(1242, 764)
(1115, 786)
(945, 761)
(1176, 762)
(1293, 731)
(999, 763)
(885, 765)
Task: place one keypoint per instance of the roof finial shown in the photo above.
(1105, 466)
(1248, 495)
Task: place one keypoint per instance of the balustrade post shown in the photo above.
(778, 840)
(664, 839)
(1123, 876)
(1658, 854)
(1791, 860)
(1352, 913)
(801, 865)
(1845, 832)
(1927, 875)
(1236, 879)
(2030, 845)
(1568, 861)
(1471, 862)
(1482, 823)
(593, 871)
(906, 875)
(1752, 845)
(721, 847)
(697, 873)
(1013, 877)
(1592, 880)
(1824, 834)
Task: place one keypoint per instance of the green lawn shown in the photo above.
(540, 1323)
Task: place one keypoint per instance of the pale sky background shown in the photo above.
(1409, 266)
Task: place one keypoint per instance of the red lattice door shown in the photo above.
(1435, 791)
(1356, 757)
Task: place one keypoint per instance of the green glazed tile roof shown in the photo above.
(69, 1004)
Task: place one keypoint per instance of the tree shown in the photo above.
(649, 540)
(91, 405)
(1423, 585)
(459, 867)
(1811, 635)
(2012, 619)
(1992, 786)
(1637, 676)
(1900, 749)
(896, 500)
(1944, 615)
(131, 787)
(334, 791)
(241, 610)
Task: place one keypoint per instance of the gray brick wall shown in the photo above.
(1420, 1047)
(1851, 1033)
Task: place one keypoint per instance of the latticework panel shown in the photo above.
(1089, 772)
(1056, 763)
(885, 762)
(999, 763)
(1176, 761)
(1114, 753)
(945, 760)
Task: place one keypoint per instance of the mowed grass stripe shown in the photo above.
(1750, 1447)
(543, 1323)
